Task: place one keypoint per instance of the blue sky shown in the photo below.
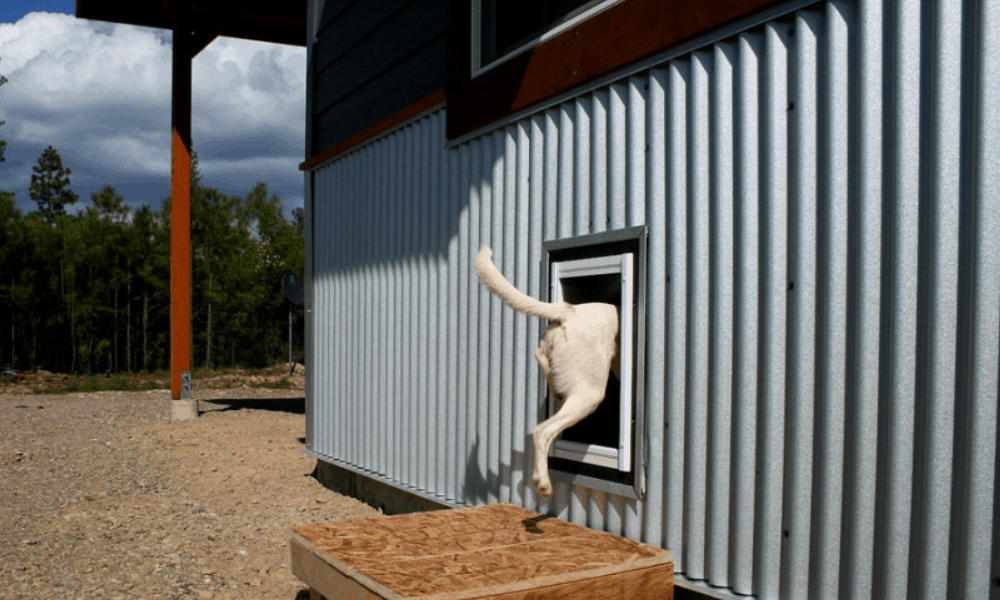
(12, 10)
(100, 93)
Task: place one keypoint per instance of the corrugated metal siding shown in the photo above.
(823, 199)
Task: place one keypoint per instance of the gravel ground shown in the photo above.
(102, 497)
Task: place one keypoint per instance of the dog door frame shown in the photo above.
(593, 466)
(619, 458)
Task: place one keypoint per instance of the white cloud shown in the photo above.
(100, 93)
(61, 62)
(37, 132)
(128, 153)
(257, 164)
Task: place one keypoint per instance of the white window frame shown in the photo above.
(477, 32)
(619, 458)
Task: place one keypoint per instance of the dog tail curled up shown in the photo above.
(514, 298)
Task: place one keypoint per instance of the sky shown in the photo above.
(100, 94)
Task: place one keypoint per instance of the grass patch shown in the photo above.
(283, 384)
(274, 378)
(118, 383)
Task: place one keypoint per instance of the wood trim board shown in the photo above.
(424, 104)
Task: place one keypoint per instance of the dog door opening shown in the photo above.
(603, 438)
(602, 426)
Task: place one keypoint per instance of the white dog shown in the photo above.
(577, 351)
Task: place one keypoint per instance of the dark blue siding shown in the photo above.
(373, 58)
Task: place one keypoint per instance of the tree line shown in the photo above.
(89, 292)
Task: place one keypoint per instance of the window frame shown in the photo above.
(475, 49)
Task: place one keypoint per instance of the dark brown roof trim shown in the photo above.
(611, 40)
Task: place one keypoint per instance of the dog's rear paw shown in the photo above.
(543, 485)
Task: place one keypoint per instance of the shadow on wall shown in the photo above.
(475, 485)
(407, 198)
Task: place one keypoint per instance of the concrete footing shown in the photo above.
(182, 410)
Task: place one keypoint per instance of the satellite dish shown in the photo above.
(294, 291)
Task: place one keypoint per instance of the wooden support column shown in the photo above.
(184, 406)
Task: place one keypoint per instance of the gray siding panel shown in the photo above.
(698, 238)
(973, 525)
(831, 261)
(719, 418)
(656, 317)
(864, 299)
(937, 300)
(746, 280)
(801, 345)
(823, 326)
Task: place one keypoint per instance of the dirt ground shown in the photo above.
(102, 497)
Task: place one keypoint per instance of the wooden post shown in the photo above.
(184, 407)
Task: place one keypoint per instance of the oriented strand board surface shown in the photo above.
(495, 551)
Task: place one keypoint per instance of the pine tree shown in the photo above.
(5, 196)
(3, 143)
(195, 172)
(110, 205)
(50, 185)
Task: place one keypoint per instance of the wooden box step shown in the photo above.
(492, 552)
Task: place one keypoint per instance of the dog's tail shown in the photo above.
(494, 280)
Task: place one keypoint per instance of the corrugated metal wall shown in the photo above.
(823, 199)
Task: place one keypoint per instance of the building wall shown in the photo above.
(370, 59)
(823, 334)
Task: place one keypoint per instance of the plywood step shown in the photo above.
(494, 552)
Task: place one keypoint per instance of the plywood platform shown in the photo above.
(498, 551)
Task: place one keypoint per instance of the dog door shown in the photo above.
(604, 438)
(607, 450)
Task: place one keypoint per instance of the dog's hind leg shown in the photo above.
(543, 362)
(578, 405)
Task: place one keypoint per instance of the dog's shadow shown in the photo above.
(477, 484)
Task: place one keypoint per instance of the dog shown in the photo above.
(578, 350)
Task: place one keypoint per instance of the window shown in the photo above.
(604, 450)
(508, 56)
(507, 27)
